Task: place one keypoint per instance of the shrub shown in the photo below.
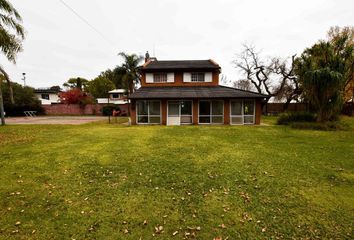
(15, 110)
(108, 109)
(290, 117)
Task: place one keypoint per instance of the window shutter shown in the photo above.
(149, 78)
(187, 77)
(170, 77)
(208, 77)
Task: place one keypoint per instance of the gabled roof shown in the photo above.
(45, 90)
(193, 92)
(180, 64)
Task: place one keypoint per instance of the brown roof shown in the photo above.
(193, 92)
(180, 64)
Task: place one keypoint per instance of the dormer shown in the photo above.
(180, 73)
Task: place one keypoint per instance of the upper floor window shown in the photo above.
(45, 96)
(160, 77)
(198, 77)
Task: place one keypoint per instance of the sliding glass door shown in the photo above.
(211, 111)
(242, 112)
(179, 112)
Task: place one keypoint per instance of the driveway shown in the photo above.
(75, 120)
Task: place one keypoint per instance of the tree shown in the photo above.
(78, 82)
(75, 96)
(321, 72)
(342, 40)
(12, 34)
(100, 86)
(243, 84)
(273, 76)
(130, 67)
(116, 76)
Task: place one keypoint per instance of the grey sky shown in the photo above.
(59, 45)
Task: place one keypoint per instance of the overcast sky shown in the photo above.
(59, 45)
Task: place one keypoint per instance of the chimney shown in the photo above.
(147, 56)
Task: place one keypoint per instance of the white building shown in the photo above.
(116, 96)
(47, 96)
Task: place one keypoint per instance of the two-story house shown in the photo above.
(188, 92)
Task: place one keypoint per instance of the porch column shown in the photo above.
(132, 106)
(195, 111)
(258, 112)
(164, 112)
(227, 111)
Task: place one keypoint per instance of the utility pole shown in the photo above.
(2, 113)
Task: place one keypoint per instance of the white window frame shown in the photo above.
(242, 112)
(197, 76)
(148, 111)
(180, 114)
(211, 112)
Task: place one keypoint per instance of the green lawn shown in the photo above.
(100, 181)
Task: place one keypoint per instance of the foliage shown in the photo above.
(99, 87)
(343, 41)
(80, 83)
(55, 88)
(130, 67)
(25, 100)
(290, 117)
(65, 181)
(322, 126)
(75, 96)
(108, 109)
(321, 70)
(116, 76)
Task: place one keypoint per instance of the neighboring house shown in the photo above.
(188, 92)
(47, 96)
(116, 96)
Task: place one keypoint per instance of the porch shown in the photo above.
(196, 111)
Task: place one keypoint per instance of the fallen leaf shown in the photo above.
(175, 233)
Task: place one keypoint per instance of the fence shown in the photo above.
(76, 109)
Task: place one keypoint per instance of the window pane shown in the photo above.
(154, 107)
(204, 108)
(154, 119)
(143, 119)
(248, 107)
(186, 107)
(249, 119)
(160, 77)
(142, 107)
(186, 119)
(236, 107)
(198, 77)
(217, 107)
(173, 108)
(204, 119)
(217, 119)
(236, 120)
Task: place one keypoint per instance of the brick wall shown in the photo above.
(75, 109)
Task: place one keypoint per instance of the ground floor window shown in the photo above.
(148, 112)
(211, 111)
(242, 111)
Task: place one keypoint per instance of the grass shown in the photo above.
(100, 181)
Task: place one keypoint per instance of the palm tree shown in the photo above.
(130, 66)
(12, 34)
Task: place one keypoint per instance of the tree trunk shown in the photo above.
(286, 104)
(2, 114)
(7, 78)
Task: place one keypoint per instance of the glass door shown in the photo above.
(173, 114)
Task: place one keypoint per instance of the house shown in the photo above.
(116, 96)
(188, 92)
(47, 96)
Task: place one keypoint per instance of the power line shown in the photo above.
(85, 21)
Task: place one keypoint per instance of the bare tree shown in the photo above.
(272, 76)
(243, 84)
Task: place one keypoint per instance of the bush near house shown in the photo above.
(108, 109)
(290, 117)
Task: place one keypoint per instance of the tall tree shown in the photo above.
(12, 34)
(321, 71)
(130, 66)
(116, 76)
(100, 86)
(272, 76)
(80, 83)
